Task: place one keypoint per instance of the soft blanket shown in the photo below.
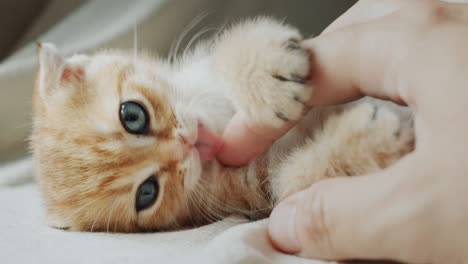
(25, 238)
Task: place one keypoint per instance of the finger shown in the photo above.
(244, 141)
(365, 11)
(383, 58)
(365, 59)
(364, 217)
(356, 61)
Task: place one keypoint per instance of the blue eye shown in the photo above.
(147, 193)
(134, 118)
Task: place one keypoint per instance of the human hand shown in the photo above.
(415, 53)
(244, 140)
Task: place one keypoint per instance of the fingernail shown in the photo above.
(282, 228)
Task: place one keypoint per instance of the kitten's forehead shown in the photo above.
(78, 59)
(108, 61)
(110, 80)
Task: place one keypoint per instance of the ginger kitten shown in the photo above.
(127, 145)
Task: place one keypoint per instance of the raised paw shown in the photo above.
(358, 139)
(381, 130)
(265, 69)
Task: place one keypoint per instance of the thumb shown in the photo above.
(347, 218)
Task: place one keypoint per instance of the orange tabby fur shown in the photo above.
(89, 167)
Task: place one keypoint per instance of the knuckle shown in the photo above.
(316, 225)
(429, 12)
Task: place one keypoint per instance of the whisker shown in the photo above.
(110, 214)
(215, 209)
(135, 41)
(95, 220)
(81, 208)
(201, 206)
(195, 37)
(228, 207)
(189, 209)
(173, 51)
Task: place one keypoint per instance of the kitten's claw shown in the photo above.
(383, 124)
(374, 113)
(292, 44)
(282, 117)
(293, 78)
(299, 79)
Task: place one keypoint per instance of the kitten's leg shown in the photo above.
(363, 139)
(264, 69)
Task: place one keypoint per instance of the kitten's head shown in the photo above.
(111, 150)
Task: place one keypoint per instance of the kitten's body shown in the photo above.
(90, 168)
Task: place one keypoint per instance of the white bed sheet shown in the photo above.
(25, 238)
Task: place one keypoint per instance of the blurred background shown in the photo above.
(81, 26)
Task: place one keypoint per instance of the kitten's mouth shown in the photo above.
(207, 144)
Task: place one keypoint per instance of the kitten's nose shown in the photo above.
(207, 143)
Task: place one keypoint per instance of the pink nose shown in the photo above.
(207, 144)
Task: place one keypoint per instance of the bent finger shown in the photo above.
(364, 11)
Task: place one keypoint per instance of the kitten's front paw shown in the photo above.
(361, 139)
(385, 131)
(266, 70)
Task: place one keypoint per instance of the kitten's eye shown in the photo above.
(147, 193)
(134, 118)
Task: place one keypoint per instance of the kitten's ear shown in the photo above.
(55, 71)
